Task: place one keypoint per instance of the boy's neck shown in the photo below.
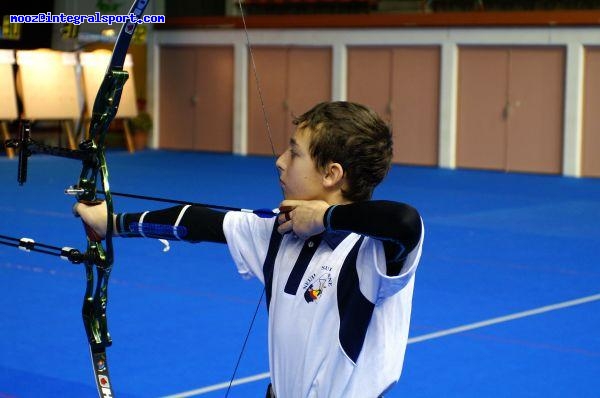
(336, 198)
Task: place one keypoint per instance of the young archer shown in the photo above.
(338, 267)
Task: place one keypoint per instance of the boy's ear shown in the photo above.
(334, 175)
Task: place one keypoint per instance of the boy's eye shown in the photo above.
(293, 153)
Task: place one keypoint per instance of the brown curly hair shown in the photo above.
(355, 137)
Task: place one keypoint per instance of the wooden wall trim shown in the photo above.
(441, 19)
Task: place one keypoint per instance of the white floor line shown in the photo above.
(506, 318)
(417, 339)
(220, 386)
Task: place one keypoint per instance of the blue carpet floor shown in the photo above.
(496, 244)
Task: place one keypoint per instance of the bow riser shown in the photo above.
(106, 103)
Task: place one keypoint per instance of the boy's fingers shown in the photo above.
(284, 217)
(91, 234)
(285, 228)
(285, 208)
(75, 212)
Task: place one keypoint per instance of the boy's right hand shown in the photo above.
(94, 217)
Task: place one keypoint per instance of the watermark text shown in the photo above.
(48, 17)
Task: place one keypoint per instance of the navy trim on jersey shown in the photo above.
(269, 263)
(354, 308)
(334, 238)
(306, 254)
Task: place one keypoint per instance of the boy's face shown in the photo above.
(298, 174)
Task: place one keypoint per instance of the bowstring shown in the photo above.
(257, 80)
(268, 125)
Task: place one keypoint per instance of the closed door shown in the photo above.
(196, 92)
(415, 105)
(177, 90)
(483, 93)
(292, 80)
(213, 129)
(535, 119)
(510, 110)
(401, 84)
(370, 78)
(590, 166)
(309, 81)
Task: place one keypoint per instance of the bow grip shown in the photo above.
(89, 231)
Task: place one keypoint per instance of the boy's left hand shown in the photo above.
(303, 217)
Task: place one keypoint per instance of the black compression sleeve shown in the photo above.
(200, 223)
(384, 220)
(397, 225)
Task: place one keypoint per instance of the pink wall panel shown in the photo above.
(292, 80)
(535, 123)
(402, 85)
(482, 96)
(510, 111)
(196, 104)
(415, 104)
(370, 78)
(591, 122)
(177, 111)
(309, 81)
(272, 70)
(214, 91)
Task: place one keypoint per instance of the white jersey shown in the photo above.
(338, 326)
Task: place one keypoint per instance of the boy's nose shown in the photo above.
(279, 163)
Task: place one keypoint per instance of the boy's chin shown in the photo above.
(288, 196)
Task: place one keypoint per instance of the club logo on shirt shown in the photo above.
(315, 284)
